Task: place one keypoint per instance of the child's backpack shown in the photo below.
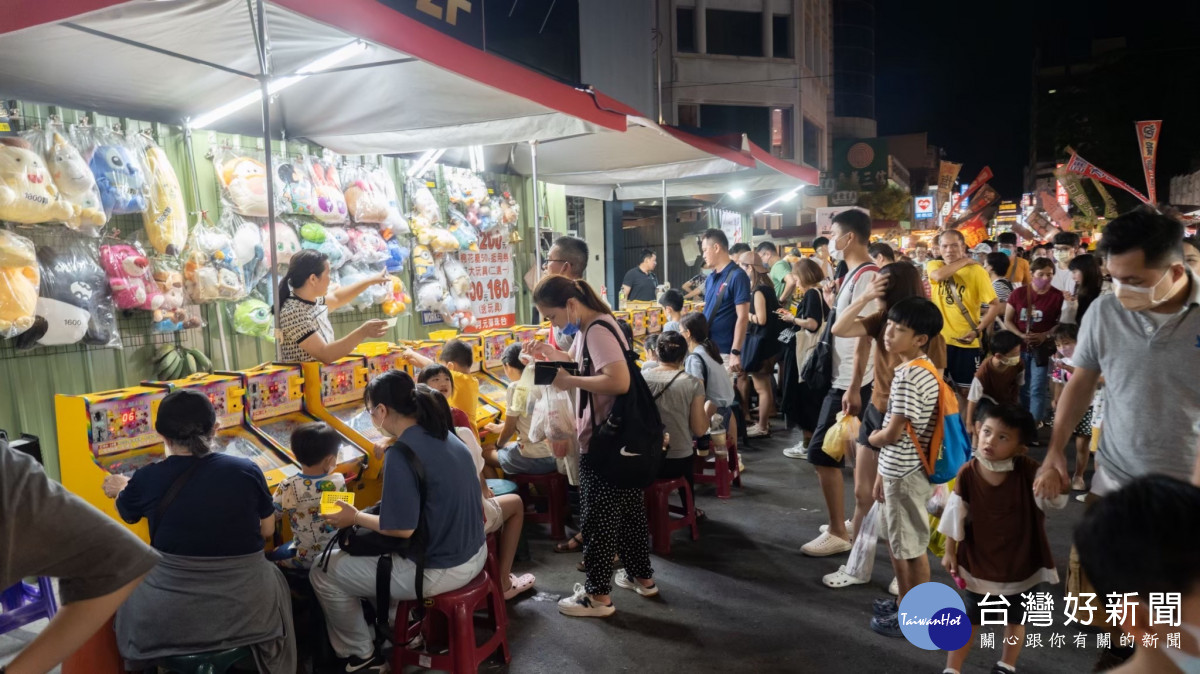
(950, 447)
(626, 449)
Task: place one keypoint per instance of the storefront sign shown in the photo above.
(493, 286)
(861, 163)
(923, 208)
(825, 217)
(947, 174)
(1074, 188)
(731, 224)
(844, 198)
(460, 19)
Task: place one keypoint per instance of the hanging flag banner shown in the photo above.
(1148, 144)
(984, 176)
(1074, 188)
(1023, 231)
(1056, 213)
(1087, 169)
(974, 230)
(947, 174)
(1041, 225)
(1110, 204)
(987, 195)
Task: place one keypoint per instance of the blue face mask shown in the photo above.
(1006, 251)
(571, 328)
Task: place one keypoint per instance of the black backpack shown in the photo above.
(627, 448)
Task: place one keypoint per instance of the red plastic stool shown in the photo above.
(725, 471)
(449, 624)
(493, 569)
(659, 510)
(552, 491)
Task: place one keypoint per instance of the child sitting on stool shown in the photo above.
(524, 457)
(315, 446)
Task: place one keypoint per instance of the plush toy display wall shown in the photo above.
(19, 280)
(75, 303)
(72, 176)
(117, 168)
(165, 217)
(27, 192)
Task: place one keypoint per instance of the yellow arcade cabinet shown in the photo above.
(525, 333)
(334, 394)
(275, 406)
(656, 318)
(495, 341)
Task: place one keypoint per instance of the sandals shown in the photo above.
(519, 584)
(572, 544)
(841, 578)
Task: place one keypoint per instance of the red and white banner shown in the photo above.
(1041, 225)
(984, 176)
(493, 288)
(1148, 145)
(1055, 211)
(986, 196)
(1087, 169)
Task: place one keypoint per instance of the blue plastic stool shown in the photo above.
(502, 487)
(24, 603)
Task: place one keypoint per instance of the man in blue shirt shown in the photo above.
(728, 312)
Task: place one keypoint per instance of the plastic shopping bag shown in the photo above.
(841, 438)
(937, 501)
(937, 540)
(862, 555)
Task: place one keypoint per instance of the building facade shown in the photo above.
(854, 69)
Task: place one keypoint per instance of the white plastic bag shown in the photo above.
(937, 501)
(862, 555)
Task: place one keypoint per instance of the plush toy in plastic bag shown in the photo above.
(210, 269)
(367, 201)
(165, 217)
(330, 202)
(71, 176)
(463, 232)
(296, 195)
(398, 254)
(117, 167)
(248, 249)
(432, 296)
(424, 203)
(438, 239)
(173, 316)
(374, 294)
(333, 245)
(19, 279)
(398, 300)
(840, 439)
(252, 317)
(395, 221)
(243, 180)
(456, 275)
(424, 268)
(74, 294)
(509, 211)
(367, 245)
(130, 277)
(27, 193)
(287, 244)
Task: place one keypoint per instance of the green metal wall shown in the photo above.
(30, 379)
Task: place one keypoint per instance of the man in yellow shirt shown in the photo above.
(457, 357)
(960, 286)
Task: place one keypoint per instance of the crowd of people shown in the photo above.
(1098, 344)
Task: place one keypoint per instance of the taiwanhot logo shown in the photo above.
(933, 617)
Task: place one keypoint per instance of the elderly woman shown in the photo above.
(208, 514)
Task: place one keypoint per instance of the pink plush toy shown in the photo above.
(130, 277)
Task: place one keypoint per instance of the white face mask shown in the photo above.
(836, 253)
(1004, 466)
(1137, 298)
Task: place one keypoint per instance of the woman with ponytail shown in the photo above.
(704, 363)
(418, 417)
(614, 519)
(304, 306)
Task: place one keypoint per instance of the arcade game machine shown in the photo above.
(525, 333)
(655, 318)
(495, 341)
(334, 394)
(637, 321)
(275, 406)
(113, 432)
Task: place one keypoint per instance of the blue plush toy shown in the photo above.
(397, 255)
(120, 179)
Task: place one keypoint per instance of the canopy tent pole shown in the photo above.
(666, 253)
(537, 213)
(264, 81)
(190, 154)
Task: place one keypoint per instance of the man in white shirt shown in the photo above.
(1065, 248)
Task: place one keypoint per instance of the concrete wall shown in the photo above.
(616, 51)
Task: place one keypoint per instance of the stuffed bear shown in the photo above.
(331, 203)
(252, 317)
(297, 195)
(130, 278)
(76, 183)
(171, 317)
(165, 217)
(244, 184)
(19, 279)
(210, 269)
(75, 303)
(431, 296)
(119, 176)
(27, 192)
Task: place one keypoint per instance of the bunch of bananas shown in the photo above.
(173, 362)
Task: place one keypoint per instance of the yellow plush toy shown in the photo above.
(19, 280)
(244, 183)
(165, 217)
(27, 192)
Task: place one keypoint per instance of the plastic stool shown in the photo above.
(216, 662)
(552, 489)
(659, 510)
(725, 470)
(24, 603)
(502, 487)
(450, 616)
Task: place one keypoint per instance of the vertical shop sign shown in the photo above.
(1148, 145)
(460, 19)
(493, 287)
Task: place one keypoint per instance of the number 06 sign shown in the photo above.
(493, 289)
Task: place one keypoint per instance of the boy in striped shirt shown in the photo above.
(902, 485)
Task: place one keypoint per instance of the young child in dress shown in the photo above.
(298, 497)
(995, 531)
(998, 380)
(1065, 335)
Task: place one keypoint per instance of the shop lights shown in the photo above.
(330, 60)
(422, 165)
(736, 193)
(787, 196)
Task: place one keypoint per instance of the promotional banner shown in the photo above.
(984, 176)
(1110, 204)
(987, 195)
(1057, 215)
(1041, 225)
(1148, 144)
(1087, 169)
(1023, 231)
(947, 174)
(974, 230)
(492, 291)
(1074, 188)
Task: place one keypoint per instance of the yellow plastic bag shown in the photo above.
(841, 438)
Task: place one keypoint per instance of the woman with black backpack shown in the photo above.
(614, 517)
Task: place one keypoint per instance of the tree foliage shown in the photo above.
(887, 203)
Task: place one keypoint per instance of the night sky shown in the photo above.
(962, 71)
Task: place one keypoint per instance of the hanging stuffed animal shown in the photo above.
(118, 172)
(366, 200)
(431, 296)
(373, 294)
(286, 245)
(395, 221)
(130, 277)
(27, 193)
(19, 279)
(440, 240)
(333, 245)
(425, 205)
(165, 217)
(510, 211)
(252, 317)
(397, 255)
(73, 179)
(424, 268)
(243, 183)
(210, 270)
(330, 202)
(367, 245)
(297, 195)
(171, 317)
(247, 248)
(463, 232)
(398, 300)
(74, 294)
(459, 286)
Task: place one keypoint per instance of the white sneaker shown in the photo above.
(840, 578)
(757, 431)
(826, 545)
(849, 528)
(894, 586)
(798, 451)
(582, 605)
(622, 579)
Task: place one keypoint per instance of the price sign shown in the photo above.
(492, 291)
